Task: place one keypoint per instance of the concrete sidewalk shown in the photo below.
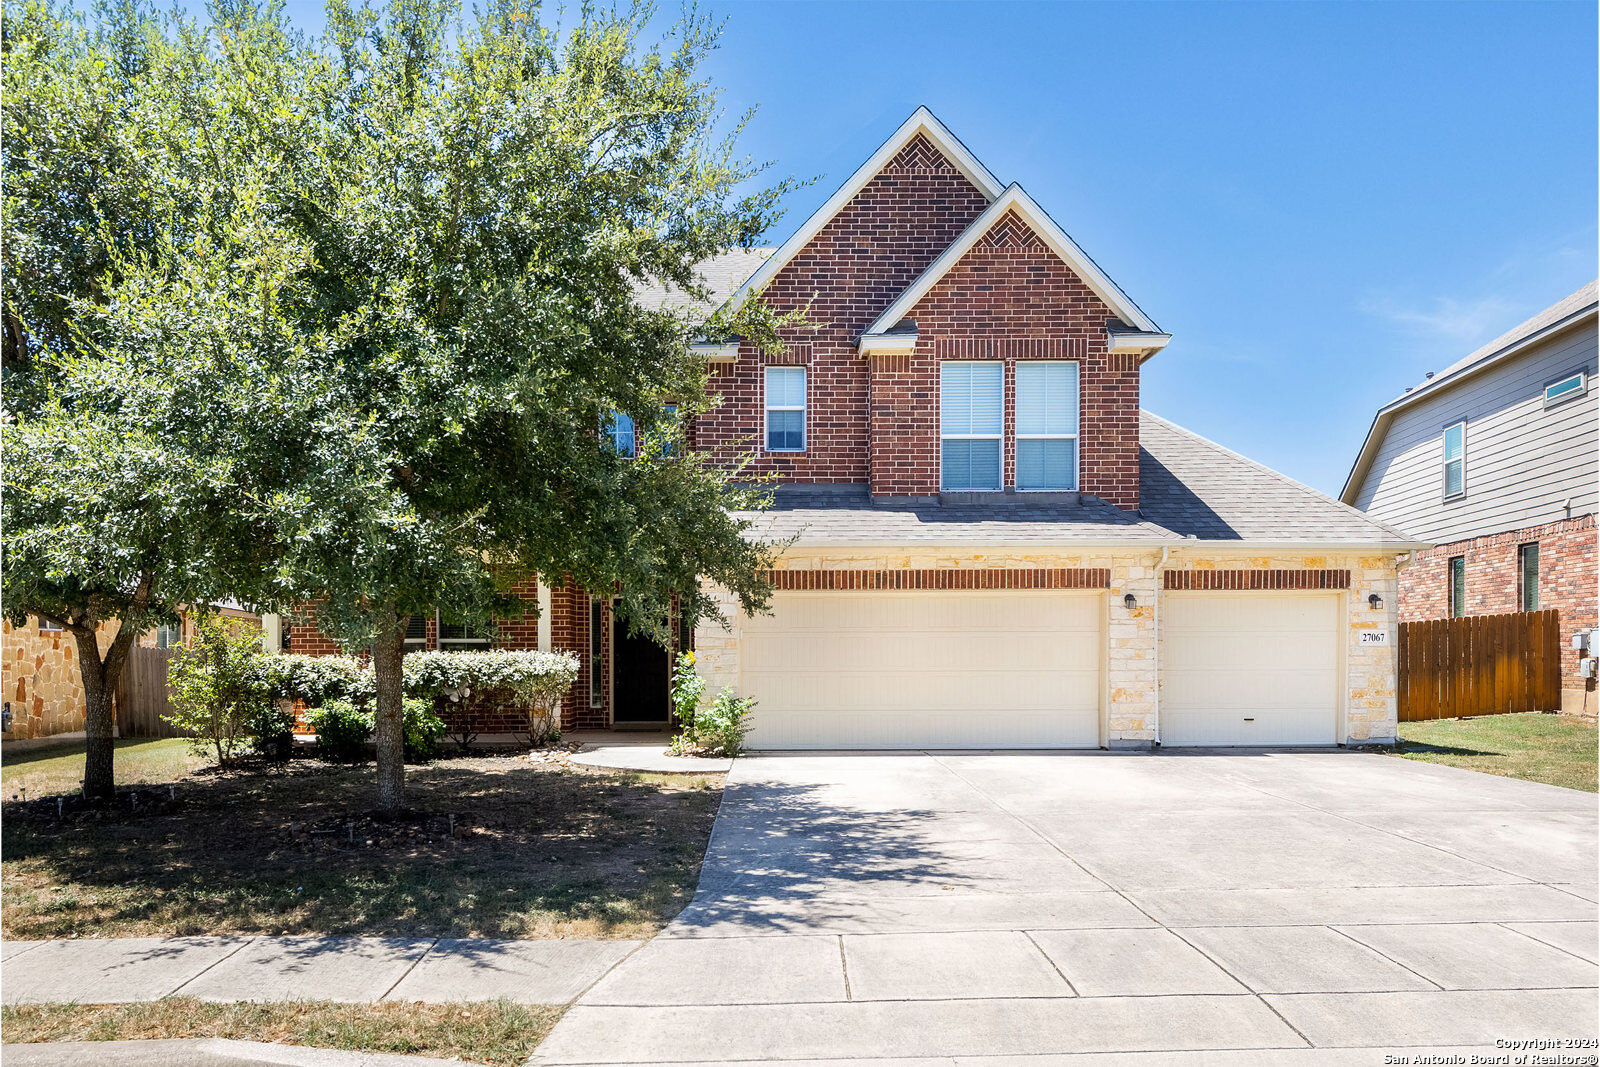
(347, 969)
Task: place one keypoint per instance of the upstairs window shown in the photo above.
(458, 634)
(1569, 388)
(1455, 460)
(619, 431)
(786, 409)
(669, 447)
(1047, 425)
(971, 398)
(1528, 576)
(1458, 586)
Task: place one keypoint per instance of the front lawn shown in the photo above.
(494, 846)
(58, 768)
(497, 1033)
(1555, 749)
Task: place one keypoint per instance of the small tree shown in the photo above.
(217, 689)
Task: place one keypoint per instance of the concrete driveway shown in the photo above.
(1185, 908)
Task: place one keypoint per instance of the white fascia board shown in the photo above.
(1138, 341)
(1176, 544)
(1015, 198)
(889, 344)
(723, 353)
(922, 121)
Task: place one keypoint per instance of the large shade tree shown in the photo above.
(140, 331)
(497, 193)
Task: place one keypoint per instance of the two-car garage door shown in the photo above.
(887, 669)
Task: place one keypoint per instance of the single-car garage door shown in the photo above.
(925, 670)
(1251, 668)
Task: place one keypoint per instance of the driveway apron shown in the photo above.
(1185, 908)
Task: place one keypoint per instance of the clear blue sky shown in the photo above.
(1320, 201)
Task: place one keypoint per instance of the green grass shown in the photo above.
(496, 1032)
(1554, 749)
(51, 769)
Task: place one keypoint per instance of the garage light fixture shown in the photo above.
(1129, 601)
(1375, 602)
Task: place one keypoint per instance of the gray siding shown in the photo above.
(1523, 462)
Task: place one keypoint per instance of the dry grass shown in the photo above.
(536, 851)
(1554, 749)
(51, 769)
(495, 1032)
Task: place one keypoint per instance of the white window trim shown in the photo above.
(1001, 436)
(1570, 394)
(608, 422)
(1077, 453)
(803, 409)
(1444, 461)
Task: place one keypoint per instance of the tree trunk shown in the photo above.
(388, 733)
(100, 677)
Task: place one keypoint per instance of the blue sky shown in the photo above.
(1320, 201)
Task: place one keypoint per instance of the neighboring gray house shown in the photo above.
(1494, 460)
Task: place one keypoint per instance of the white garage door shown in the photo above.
(1249, 669)
(925, 670)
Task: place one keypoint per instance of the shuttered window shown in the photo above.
(1455, 460)
(971, 398)
(1047, 425)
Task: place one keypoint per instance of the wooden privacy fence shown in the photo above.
(1480, 665)
(142, 694)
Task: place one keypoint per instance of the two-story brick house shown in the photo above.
(1495, 460)
(992, 546)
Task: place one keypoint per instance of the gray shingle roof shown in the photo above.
(723, 274)
(1562, 309)
(1190, 488)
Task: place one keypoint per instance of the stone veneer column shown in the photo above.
(716, 650)
(1131, 654)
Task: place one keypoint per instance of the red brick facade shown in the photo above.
(1255, 579)
(944, 578)
(1567, 582)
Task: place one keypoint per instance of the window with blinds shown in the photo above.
(416, 632)
(786, 409)
(971, 421)
(1455, 460)
(1047, 425)
(458, 634)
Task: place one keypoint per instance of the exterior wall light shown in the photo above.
(1129, 601)
(1375, 602)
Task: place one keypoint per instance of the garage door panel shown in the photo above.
(924, 670)
(1249, 669)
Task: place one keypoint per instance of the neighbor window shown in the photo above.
(1047, 425)
(1566, 389)
(459, 634)
(169, 636)
(786, 409)
(1455, 459)
(597, 633)
(1458, 586)
(1528, 576)
(970, 421)
(45, 625)
(619, 431)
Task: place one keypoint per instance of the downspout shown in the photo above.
(1155, 657)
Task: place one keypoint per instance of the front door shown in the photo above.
(639, 677)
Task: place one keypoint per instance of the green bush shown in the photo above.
(423, 729)
(216, 689)
(536, 680)
(271, 730)
(315, 679)
(718, 730)
(342, 730)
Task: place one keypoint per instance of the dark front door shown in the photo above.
(639, 677)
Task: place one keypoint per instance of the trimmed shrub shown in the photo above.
(536, 680)
(315, 679)
(423, 729)
(342, 730)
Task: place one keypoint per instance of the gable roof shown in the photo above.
(1191, 491)
(1016, 199)
(1562, 315)
(921, 122)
